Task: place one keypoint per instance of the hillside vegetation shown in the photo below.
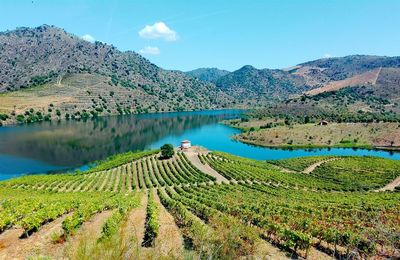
(208, 74)
(131, 204)
(61, 72)
(258, 87)
(47, 73)
(278, 134)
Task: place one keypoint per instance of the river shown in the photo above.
(57, 146)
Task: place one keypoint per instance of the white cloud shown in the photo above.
(88, 38)
(158, 30)
(150, 50)
(327, 56)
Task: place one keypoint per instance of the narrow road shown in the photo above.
(194, 159)
(391, 186)
(312, 167)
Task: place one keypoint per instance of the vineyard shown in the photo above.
(136, 205)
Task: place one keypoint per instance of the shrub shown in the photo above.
(3, 117)
(167, 151)
(20, 118)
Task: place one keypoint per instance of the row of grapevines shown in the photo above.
(112, 224)
(152, 223)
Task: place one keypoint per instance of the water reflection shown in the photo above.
(72, 143)
(58, 146)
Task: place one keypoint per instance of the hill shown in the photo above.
(255, 85)
(207, 74)
(47, 69)
(340, 68)
(140, 206)
(47, 73)
(250, 85)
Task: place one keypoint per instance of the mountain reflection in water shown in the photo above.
(71, 143)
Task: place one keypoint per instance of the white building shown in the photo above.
(185, 144)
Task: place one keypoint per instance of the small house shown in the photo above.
(185, 144)
(323, 122)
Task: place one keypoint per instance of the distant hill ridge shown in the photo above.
(47, 71)
(313, 77)
(64, 72)
(208, 74)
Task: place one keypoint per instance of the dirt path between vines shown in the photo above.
(192, 155)
(313, 166)
(39, 243)
(282, 169)
(265, 250)
(169, 242)
(136, 221)
(391, 186)
(90, 231)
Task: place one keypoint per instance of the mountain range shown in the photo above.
(47, 73)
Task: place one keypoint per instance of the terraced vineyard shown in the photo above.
(140, 174)
(137, 206)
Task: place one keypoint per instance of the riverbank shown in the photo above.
(32, 116)
(58, 146)
(275, 134)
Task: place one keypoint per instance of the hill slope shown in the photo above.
(252, 84)
(208, 74)
(152, 201)
(72, 73)
(48, 73)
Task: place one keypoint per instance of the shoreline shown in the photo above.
(11, 123)
(258, 143)
(302, 147)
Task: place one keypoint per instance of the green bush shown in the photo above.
(20, 118)
(3, 117)
(167, 151)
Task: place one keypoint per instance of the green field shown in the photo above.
(136, 205)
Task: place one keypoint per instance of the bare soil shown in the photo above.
(192, 155)
(364, 78)
(89, 231)
(312, 167)
(136, 221)
(169, 242)
(391, 186)
(38, 244)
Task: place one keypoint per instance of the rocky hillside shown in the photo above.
(46, 69)
(255, 85)
(250, 85)
(208, 74)
(47, 73)
(340, 68)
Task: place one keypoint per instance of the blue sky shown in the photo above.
(222, 33)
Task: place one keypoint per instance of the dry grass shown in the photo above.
(368, 77)
(73, 93)
(334, 134)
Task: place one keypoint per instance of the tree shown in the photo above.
(167, 151)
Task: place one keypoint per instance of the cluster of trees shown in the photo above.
(40, 80)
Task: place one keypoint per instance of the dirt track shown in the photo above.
(192, 155)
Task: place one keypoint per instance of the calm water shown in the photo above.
(56, 146)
